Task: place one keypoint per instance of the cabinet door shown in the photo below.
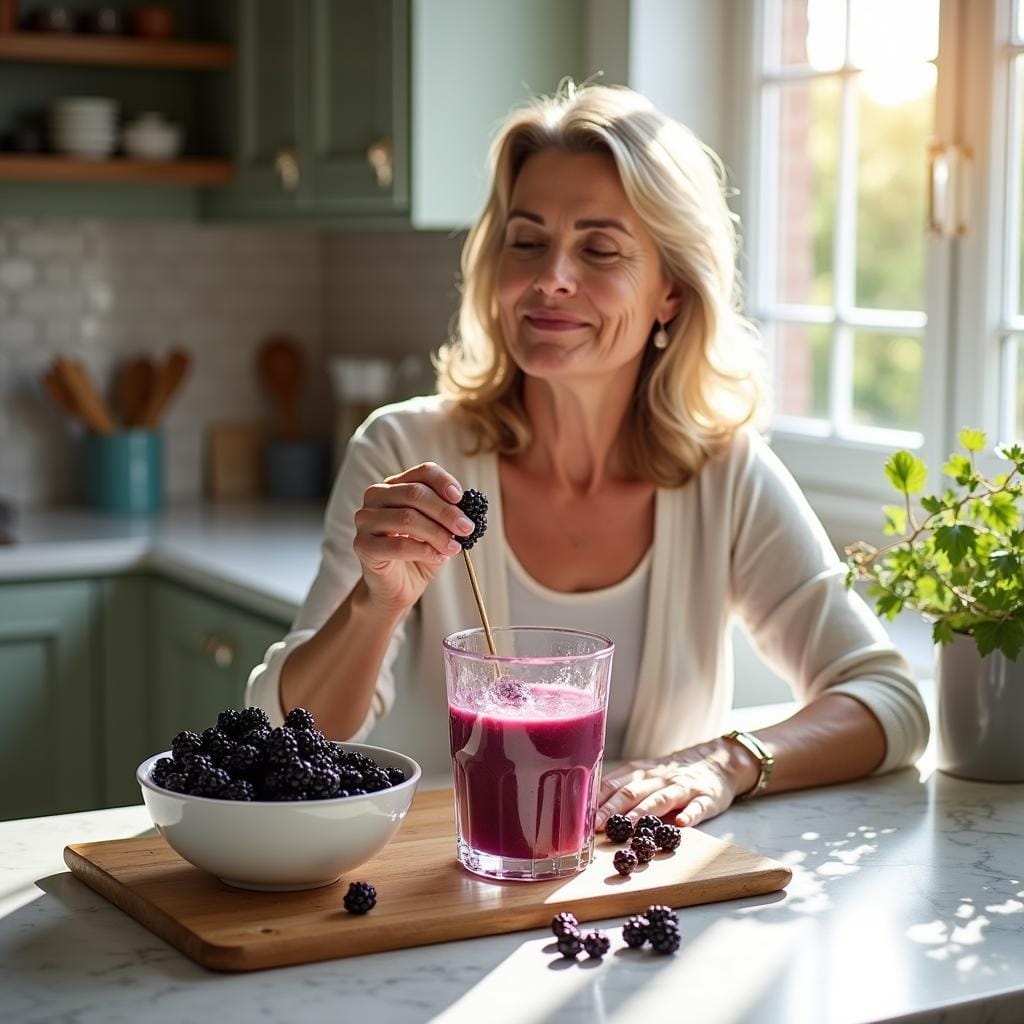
(49, 747)
(204, 651)
(268, 108)
(358, 148)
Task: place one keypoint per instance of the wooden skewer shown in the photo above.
(481, 608)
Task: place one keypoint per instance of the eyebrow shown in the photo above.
(580, 225)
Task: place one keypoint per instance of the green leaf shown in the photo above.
(1002, 511)
(931, 504)
(1008, 637)
(906, 472)
(959, 468)
(973, 440)
(895, 520)
(956, 541)
(942, 632)
(888, 605)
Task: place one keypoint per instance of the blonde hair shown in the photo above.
(694, 395)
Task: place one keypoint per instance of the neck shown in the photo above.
(578, 430)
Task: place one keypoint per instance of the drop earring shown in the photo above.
(660, 337)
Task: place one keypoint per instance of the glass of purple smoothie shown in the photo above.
(527, 738)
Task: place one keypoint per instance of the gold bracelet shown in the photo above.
(760, 753)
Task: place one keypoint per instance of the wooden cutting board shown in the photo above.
(424, 896)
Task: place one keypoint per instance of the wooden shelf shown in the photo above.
(115, 51)
(188, 171)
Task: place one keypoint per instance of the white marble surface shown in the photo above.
(907, 903)
(262, 556)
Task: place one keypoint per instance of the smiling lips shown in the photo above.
(553, 320)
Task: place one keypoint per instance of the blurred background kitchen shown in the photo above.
(229, 228)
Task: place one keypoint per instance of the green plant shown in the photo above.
(959, 556)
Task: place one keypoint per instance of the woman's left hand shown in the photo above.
(697, 783)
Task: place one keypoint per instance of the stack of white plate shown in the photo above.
(84, 126)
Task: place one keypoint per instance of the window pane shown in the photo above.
(808, 153)
(896, 119)
(1018, 244)
(887, 380)
(893, 33)
(810, 33)
(1013, 366)
(802, 353)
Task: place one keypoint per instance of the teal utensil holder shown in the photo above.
(124, 472)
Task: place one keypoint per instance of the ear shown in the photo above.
(671, 302)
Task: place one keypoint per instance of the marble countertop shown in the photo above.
(907, 903)
(262, 556)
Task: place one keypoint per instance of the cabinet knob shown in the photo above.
(220, 650)
(381, 157)
(286, 163)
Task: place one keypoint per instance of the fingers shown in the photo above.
(667, 799)
(389, 523)
(625, 799)
(699, 808)
(441, 482)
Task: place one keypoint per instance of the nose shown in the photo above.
(556, 274)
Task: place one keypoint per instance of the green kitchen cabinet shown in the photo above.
(203, 651)
(50, 729)
(317, 111)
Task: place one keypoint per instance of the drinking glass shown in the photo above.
(527, 732)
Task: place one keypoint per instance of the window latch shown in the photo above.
(948, 182)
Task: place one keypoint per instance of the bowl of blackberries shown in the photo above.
(275, 808)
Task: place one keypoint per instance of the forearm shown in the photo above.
(334, 674)
(833, 739)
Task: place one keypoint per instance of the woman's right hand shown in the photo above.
(404, 533)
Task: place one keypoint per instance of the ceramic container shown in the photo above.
(281, 845)
(124, 472)
(150, 137)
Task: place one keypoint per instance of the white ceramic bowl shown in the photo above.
(281, 845)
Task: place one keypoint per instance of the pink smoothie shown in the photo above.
(526, 774)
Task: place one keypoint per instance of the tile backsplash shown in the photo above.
(107, 291)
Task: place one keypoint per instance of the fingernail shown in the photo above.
(454, 546)
(465, 525)
(452, 493)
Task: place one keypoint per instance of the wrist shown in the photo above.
(371, 609)
(741, 765)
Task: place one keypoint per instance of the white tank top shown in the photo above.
(618, 612)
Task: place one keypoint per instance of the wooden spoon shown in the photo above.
(132, 389)
(167, 381)
(57, 390)
(80, 385)
(282, 367)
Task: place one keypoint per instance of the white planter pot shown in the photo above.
(980, 704)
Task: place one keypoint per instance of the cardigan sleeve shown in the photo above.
(370, 457)
(789, 586)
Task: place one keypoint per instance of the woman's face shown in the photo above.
(580, 282)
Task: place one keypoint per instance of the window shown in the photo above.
(883, 205)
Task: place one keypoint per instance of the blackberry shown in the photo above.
(596, 944)
(625, 862)
(395, 776)
(163, 767)
(563, 922)
(618, 828)
(229, 722)
(659, 912)
(240, 789)
(360, 898)
(569, 943)
(375, 780)
(350, 778)
(186, 742)
(211, 782)
(649, 822)
(253, 718)
(668, 837)
(664, 936)
(175, 782)
(474, 504)
(256, 736)
(281, 747)
(323, 784)
(193, 765)
(299, 718)
(219, 748)
(634, 932)
(242, 761)
(270, 787)
(296, 777)
(307, 741)
(644, 848)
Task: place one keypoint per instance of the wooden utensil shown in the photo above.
(82, 390)
(281, 366)
(425, 897)
(57, 390)
(167, 379)
(132, 388)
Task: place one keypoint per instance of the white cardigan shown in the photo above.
(737, 539)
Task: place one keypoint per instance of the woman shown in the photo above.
(600, 391)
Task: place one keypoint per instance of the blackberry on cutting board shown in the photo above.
(474, 504)
(618, 828)
(649, 822)
(625, 862)
(360, 898)
(668, 837)
(563, 922)
(643, 846)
